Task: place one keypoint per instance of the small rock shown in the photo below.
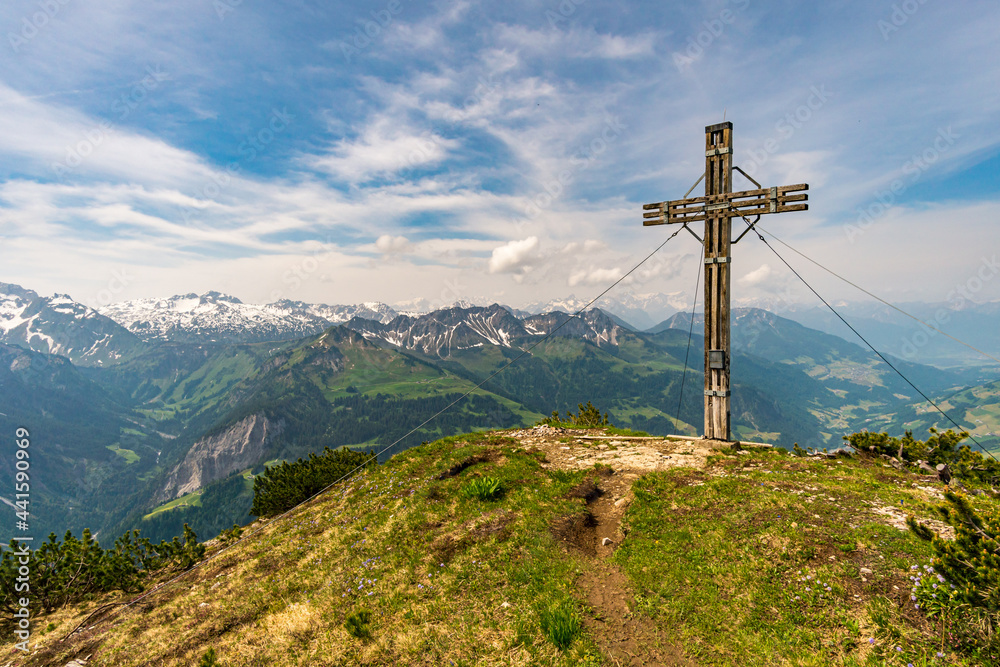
(621, 502)
(606, 541)
(865, 570)
(203, 604)
(505, 605)
(215, 585)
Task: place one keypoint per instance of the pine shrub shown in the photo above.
(282, 487)
(587, 416)
(962, 585)
(972, 560)
(73, 570)
(939, 448)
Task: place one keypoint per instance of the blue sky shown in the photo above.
(492, 151)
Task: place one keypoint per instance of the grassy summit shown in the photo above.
(594, 549)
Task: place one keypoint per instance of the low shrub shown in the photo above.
(282, 487)
(962, 585)
(72, 570)
(587, 416)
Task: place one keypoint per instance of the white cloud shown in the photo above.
(578, 43)
(385, 147)
(60, 142)
(758, 276)
(603, 277)
(492, 113)
(515, 257)
(391, 245)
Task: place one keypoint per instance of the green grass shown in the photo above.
(560, 624)
(187, 500)
(127, 454)
(730, 561)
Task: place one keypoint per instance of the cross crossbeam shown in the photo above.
(781, 199)
(717, 209)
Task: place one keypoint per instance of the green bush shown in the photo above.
(944, 448)
(72, 570)
(587, 416)
(963, 582)
(483, 488)
(209, 659)
(282, 487)
(231, 534)
(560, 624)
(972, 561)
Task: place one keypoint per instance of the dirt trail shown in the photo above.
(627, 638)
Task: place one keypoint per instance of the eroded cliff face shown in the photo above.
(239, 447)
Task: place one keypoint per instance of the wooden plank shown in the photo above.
(699, 215)
(682, 205)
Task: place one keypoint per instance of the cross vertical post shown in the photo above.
(717, 209)
(718, 235)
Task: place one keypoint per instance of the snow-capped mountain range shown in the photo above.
(219, 317)
(59, 325)
(455, 329)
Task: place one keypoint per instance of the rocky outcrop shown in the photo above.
(238, 447)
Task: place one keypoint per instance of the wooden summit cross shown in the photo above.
(717, 208)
